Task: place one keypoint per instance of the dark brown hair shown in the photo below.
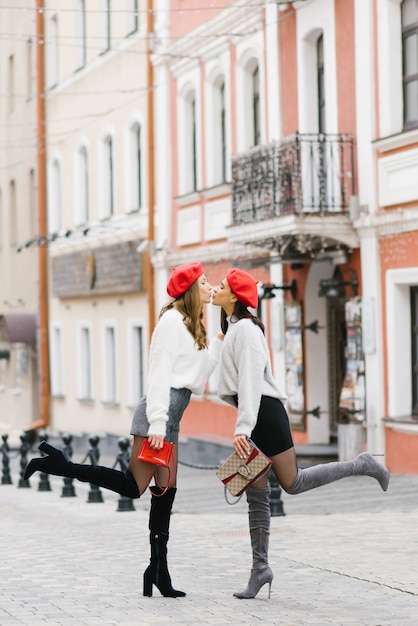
(240, 312)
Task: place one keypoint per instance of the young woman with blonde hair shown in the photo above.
(179, 365)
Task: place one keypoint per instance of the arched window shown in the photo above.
(219, 151)
(105, 25)
(135, 168)
(82, 211)
(81, 45)
(320, 73)
(190, 139)
(55, 198)
(13, 214)
(251, 105)
(107, 182)
(410, 63)
(256, 105)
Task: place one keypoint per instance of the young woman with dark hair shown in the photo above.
(246, 381)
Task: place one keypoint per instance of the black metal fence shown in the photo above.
(302, 173)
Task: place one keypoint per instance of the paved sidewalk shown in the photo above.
(344, 554)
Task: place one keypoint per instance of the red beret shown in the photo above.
(183, 277)
(243, 286)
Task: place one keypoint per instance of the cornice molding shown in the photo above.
(386, 223)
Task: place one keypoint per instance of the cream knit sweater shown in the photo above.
(245, 370)
(174, 361)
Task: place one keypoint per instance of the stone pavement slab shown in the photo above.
(344, 554)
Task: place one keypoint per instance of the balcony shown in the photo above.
(294, 195)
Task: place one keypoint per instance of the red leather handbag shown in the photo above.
(163, 458)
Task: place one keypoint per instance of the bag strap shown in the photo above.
(236, 499)
(166, 488)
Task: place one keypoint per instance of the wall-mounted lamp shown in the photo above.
(267, 290)
(335, 287)
(313, 326)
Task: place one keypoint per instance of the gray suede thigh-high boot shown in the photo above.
(259, 515)
(57, 464)
(318, 475)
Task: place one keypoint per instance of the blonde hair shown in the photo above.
(189, 304)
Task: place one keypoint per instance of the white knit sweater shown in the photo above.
(174, 361)
(245, 370)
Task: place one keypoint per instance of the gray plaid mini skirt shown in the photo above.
(179, 400)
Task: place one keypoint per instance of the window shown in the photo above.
(31, 70)
(136, 363)
(57, 361)
(107, 182)
(82, 210)
(81, 44)
(84, 366)
(256, 106)
(105, 25)
(109, 364)
(410, 63)
(13, 214)
(191, 146)
(414, 336)
(11, 86)
(135, 168)
(54, 199)
(219, 133)
(132, 16)
(250, 118)
(320, 83)
(33, 206)
(53, 52)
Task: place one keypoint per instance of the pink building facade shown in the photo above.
(286, 144)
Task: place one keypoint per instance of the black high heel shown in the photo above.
(163, 585)
(54, 463)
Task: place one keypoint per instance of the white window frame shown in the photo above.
(136, 350)
(398, 337)
(109, 362)
(84, 361)
(249, 59)
(311, 23)
(214, 130)
(133, 184)
(188, 86)
(56, 351)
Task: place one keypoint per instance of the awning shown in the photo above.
(18, 327)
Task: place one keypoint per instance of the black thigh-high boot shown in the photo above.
(57, 464)
(159, 522)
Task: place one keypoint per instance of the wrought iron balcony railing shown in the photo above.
(299, 174)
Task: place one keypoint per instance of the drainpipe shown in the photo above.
(43, 422)
(151, 190)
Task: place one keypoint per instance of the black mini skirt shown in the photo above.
(272, 432)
